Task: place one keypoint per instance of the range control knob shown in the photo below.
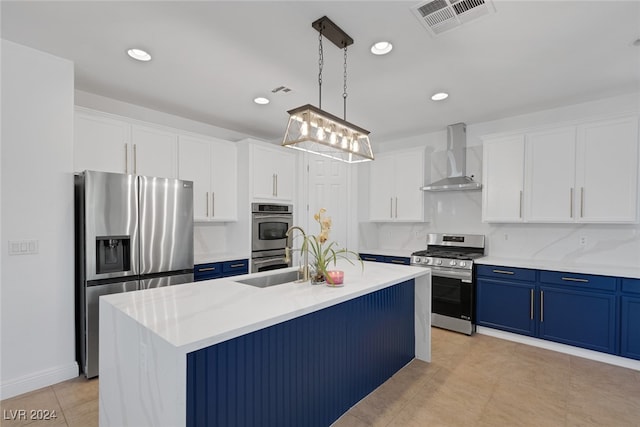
(438, 261)
(427, 260)
(452, 262)
(463, 264)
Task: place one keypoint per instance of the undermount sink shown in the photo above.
(271, 280)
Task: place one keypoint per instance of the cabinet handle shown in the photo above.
(213, 204)
(237, 265)
(135, 159)
(276, 185)
(273, 185)
(368, 259)
(573, 279)
(126, 158)
(520, 203)
(391, 207)
(531, 305)
(581, 202)
(503, 272)
(571, 203)
(207, 204)
(397, 261)
(396, 207)
(541, 306)
(207, 269)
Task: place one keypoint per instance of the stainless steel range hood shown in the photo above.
(456, 179)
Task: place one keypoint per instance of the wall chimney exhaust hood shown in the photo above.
(456, 179)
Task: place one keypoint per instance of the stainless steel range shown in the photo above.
(450, 258)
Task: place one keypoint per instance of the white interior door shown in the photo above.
(328, 189)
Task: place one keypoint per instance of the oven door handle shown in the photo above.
(266, 261)
(286, 216)
(451, 274)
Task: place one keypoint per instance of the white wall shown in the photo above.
(614, 245)
(37, 291)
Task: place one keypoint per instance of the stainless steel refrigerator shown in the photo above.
(132, 233)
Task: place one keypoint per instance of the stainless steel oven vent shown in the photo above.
(438, 16)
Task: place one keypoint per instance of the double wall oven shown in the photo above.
(269, 226)
(450, 258)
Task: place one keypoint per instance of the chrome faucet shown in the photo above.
(305, 266)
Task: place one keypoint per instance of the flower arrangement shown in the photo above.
(323, 251)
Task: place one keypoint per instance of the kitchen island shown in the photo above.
(223, 353)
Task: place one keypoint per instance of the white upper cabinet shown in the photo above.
(550, 175)
(154, 152)
(607, 171)
(585, 173)
(212, 166)
(273, 172)
(503, 179)
(109, 144)
(100, 144)
(395, 186)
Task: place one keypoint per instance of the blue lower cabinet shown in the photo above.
(387, 259)
(216, 270)
(306, 371)
(371, 257)
(630, 319)
(573, 309)
(582, 319)
(212, 270)
(506, 305)
(234, 268)
(397, 260)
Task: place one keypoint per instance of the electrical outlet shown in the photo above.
(583, 240)
(23, 247)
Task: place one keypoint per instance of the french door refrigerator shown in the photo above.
(132, 233)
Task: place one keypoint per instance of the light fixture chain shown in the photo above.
(320, 65)
(344, 93)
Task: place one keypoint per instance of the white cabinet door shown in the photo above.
(550, 176)
(212, 165)
(273, 173)
(154, 152)
(503, 179)
(409, 178)
(224, 181)
(194, 164)
(381, 188)
(328, 189)
(395, 180)
(101, 144)
(607, 173)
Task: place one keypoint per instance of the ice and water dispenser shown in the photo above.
(113, 254)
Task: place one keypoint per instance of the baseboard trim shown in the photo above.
(37, 380)
(561, 348)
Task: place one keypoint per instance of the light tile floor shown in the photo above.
(472, 381)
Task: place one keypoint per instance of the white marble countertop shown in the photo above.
(218, 257)
(605, 270)
(197, 315)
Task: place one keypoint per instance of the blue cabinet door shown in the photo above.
(630, 327)
(579, 318)
(506, 305)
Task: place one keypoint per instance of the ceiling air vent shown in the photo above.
(439, 16)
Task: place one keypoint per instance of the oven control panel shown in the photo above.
(441, 262)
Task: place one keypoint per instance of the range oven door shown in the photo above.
(269, 231)
(452, 300)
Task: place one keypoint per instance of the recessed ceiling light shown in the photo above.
(139, 54)
(439, 96)
(381, 48)
(260, 100)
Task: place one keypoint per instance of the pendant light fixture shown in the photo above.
(313, 130)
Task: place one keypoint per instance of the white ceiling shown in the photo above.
(211, 58)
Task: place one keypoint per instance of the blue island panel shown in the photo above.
(306, 371)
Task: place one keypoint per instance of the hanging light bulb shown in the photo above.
(333, 137)
(320, 133)
(304, 127)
